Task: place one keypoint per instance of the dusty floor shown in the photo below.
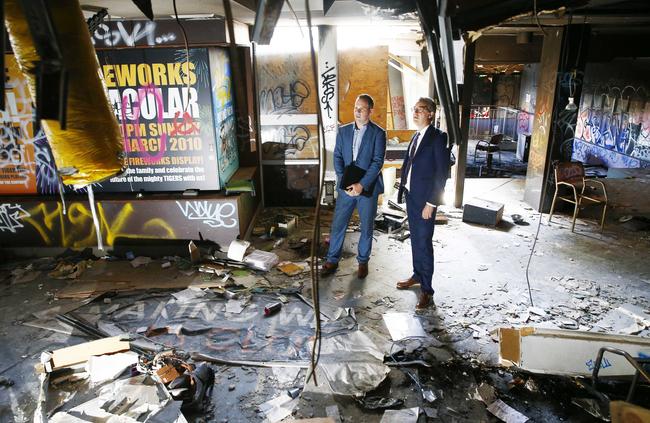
(480, 283)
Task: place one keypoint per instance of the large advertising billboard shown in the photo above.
(162, 100)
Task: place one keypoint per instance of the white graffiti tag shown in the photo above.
(215, 215)
(130, 37)
(11, 217)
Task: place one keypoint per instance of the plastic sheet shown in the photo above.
(90, 149)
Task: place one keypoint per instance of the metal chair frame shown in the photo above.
(488, 145)
(579, 183)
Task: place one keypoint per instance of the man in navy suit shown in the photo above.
(363, 144)
(424, 174)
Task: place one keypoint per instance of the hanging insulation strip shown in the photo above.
(90, 149)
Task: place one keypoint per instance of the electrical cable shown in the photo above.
(537, 17)
(293, 12)
(316, 347)
(545, 185)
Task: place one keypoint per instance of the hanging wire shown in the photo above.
(537, 17)
(315, 243)
(293, 12)
(564, 61)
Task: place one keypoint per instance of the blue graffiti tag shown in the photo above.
(591, 364)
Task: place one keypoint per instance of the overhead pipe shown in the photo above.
(427, 13)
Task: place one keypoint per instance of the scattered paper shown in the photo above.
(188, 294)
(506, 413)
(236, 306)
(407, 415)
(279, 407)
(286, 375)
(140, 261)
(108, 367)
(403, 325)
(291, 269)
(237, 249)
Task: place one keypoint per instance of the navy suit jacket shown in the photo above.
(429, 169)
(370, 156)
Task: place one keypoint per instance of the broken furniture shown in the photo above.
(490, 147)
(572, 175)
(641, 365)
(483, 212)
(528, 349)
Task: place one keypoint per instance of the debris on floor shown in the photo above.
(222, 338)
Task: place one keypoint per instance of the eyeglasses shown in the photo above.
(419, 109)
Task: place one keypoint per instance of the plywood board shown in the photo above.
(81, 353)
(286, 84)
(363, 71)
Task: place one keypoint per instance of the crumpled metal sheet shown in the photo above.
(90, 149)
(136, 399)
(352, 363)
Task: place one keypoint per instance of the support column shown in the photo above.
(466, 105)
(328, 89)
(539, 158)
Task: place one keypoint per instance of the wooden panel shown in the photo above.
(363, 71)
(286, 84)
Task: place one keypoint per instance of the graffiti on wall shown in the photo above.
(215, 215)
(42, 223)
(614, 115)
(286, 85)
(289, 141)
(123, 33)
(21, 151)
(11, 217)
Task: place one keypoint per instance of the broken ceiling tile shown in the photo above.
(403, 325)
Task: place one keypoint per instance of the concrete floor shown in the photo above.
(480, 280)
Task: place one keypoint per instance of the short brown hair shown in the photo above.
(368, 99)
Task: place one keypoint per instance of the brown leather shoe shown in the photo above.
(362, 272)
(328, 268)
(424, 300)
(407, 283)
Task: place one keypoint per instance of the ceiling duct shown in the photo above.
(53, 49)
(268, 13)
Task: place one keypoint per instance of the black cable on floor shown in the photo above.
(316, 348)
